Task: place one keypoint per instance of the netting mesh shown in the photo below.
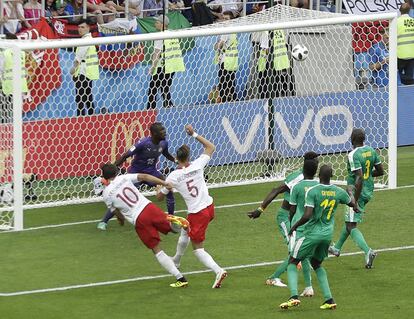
(245, 92)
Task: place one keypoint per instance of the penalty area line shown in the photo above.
(122, 281)
(178, 211)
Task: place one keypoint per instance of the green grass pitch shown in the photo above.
(79, 254)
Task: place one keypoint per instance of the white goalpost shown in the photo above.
(261, 107)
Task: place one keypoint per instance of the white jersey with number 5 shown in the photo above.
(189, 182)
(123, 195)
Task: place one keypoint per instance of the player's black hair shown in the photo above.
(156, 127)
(84, 20)
(325, 172)
(183, 153)
(357, 136)
(310, 155)
(310, 167)
(109, 171)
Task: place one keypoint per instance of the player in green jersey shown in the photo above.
(282, 217)
(297, 209)
(321, 202)
(363, 165)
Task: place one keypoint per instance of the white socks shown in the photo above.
(166, 262)
(182, 245)
(207, 260)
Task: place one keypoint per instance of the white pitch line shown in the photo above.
(178, 211)
(114, 282)
(97, 220)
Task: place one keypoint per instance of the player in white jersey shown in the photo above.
(188, 180)
(127, 203)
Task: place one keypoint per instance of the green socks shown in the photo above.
(281, 269)
(342, 238)
(323, 283)
(307, 269)
(359, 239)
(292, 274)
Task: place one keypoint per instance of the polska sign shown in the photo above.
(372, 6)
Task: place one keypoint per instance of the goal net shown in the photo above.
(264, 88)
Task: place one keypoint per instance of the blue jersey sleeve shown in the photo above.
(136, 148)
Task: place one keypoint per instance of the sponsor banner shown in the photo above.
(74, 147)
(237, 129)
(372, 6)
(324, 123)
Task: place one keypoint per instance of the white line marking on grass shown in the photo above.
(98, 220)
(178, 211)
(115, 282)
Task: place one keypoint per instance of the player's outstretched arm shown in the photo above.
(122, 159)
(271, 196)
(154, 180)
(209, 147)
(159, 193)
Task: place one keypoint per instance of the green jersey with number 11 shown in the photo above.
(324, 199)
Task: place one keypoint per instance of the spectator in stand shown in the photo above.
(300, 3)
(85, 70)
(49, 9)
(153, 5)
(59, 9)
(96, 6)
(328, 6)
(75, 9)
(167, 59)
(136, 4)
(32, 11)
(175, 4)
(119, 6)
(13, 10)
(378, 58)
(405, 45)
(259, 41)
(200, 14)
(226, 9)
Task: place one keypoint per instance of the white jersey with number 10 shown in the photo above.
(189, 182)
(123, 195)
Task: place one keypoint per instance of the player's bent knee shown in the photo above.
(350, 227)
(293, 260)
(315, 263)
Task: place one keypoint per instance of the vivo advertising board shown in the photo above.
(324, 123)
(237, 129)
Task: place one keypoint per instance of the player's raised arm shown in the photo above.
(209, 147)
(168, 155)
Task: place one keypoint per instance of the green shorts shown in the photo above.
(283, 223)
(308, 247)
(351, 216)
